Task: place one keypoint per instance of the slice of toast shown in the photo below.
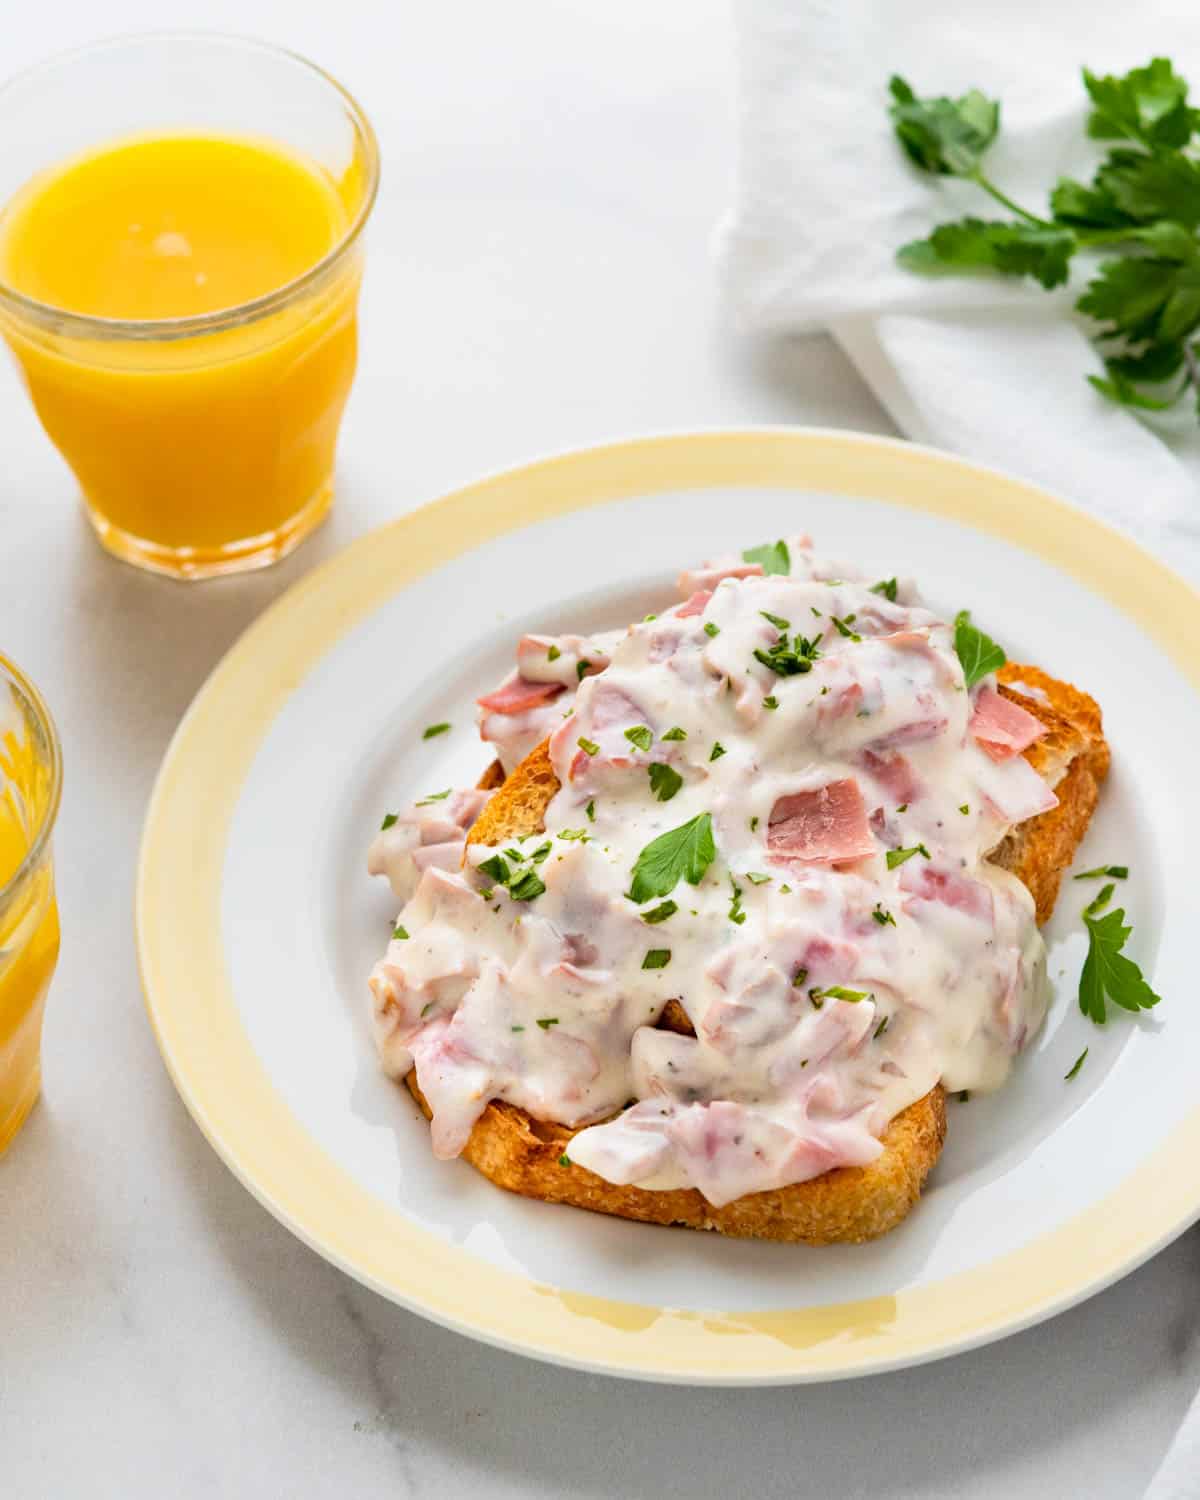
(848, 1204)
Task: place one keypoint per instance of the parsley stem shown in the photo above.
(990, 187)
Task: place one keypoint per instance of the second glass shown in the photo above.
(203, 442)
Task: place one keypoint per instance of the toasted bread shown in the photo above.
(848, 1204)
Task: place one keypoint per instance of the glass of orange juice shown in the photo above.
(180, 259)
(30, 785)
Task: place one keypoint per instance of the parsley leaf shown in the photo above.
(682, 853)
(1011, 247)
(887, 587)
(552, 653)
(1148, 105)
(944, 136)
(431, 730)
(496, 867)
(898, 856)
(435, 797)
(675, 733)
(388, 820)
(838, 992)
(1104, 872)
(657, 958)
(1107, 972)
(884, 918)
(545, 1022)
(589, 747)
(399, 932)
(773, 557)
(1076, 1065)
(660, 913)
(590, 809)
(665, 781)
(777, 620)
(1100, 901)
(717, 750)
(977, 653)
(711, 630)
(640, 735)
(843, 627)
(527, 886)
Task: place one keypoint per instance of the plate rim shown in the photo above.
(226, 1089)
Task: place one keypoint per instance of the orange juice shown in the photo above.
(204, 444)
(28, 944)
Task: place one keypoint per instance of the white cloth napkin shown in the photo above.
(824, 197)
(991, 369)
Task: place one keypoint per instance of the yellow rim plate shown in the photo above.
(216, 1070)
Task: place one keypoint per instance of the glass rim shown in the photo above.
(45, 722)
(162, 329)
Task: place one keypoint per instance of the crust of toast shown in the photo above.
(849, 1204)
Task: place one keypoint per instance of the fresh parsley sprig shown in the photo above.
(1107, 972)
(1143, 205)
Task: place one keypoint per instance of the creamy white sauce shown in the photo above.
(546, 1002)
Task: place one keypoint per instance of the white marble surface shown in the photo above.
(539, 278)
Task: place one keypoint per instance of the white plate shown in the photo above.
(258, 924)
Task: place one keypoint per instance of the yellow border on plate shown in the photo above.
(217, 1072)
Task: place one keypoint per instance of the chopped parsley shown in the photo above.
(753, 824)
(518, 1028)
(786, 889)
(1101, 872)
(675, 734)
(399, 932)
(432, 730)
(514, 854)
(756, 877)
(1107, 972)
(772, 557)
(798, 979)
(665, 781)
(656, 958)
(581, 670)
(884, 918)
(580, 834)
(771, 702)
(425, 1009)
(589, 747)
(843, 627)
(564, 1160)
(839, 992)
(886, 587)
(682, 853)
(717, 750)
(660, 913)
(1076, 1065)
(881, 1028)
(527, 886)
(964, 808)
(1098, 903)
(496, 867)
(590, 809)
(553, 653)
(390, 818)
(977, 653)
(793, 660)
(641, 736)
(711, 630)
(435, 797)
(903, 807)
(777, 620)
(736, 914)
(898, 856)
(545, 1022)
